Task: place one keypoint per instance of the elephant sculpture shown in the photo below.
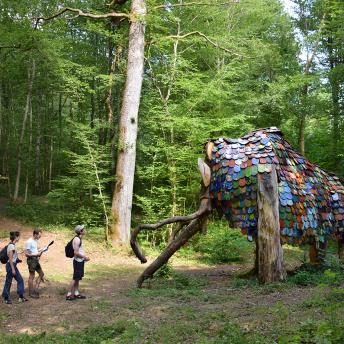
(237, 175)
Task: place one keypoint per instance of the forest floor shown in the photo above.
(197, 303)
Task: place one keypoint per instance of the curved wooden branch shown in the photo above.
(191, 229)
(133, 239)
(80, 13)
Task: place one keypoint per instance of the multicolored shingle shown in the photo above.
(311, 201)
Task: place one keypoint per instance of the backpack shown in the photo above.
(4, 255)
(69, 251)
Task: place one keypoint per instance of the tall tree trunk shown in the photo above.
(50, 163)
(1, 121)
(60, 120)
(302, 127)
(38, 148)
(31, 76)
(28, 158)
(93, 106)
(109, 99)
(335, 113)
(304, 92)
(270, 253)
(125, 167)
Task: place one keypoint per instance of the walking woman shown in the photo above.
(12, 271)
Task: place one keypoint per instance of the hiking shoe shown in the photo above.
(22, 299)
(79, 296)
(70, 298)
(8, 301)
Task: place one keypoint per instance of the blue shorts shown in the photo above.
(78, 270)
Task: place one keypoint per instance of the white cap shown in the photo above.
(79, 228)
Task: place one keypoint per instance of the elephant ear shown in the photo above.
(205, 171)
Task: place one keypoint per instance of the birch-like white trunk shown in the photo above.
(21, 138)
(38, 149)
(125, 167)
(28, 158)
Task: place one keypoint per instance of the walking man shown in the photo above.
(78, 264)
(12, 270)
(33, 255)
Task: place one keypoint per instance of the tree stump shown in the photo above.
(270, 253)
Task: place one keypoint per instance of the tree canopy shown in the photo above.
(212, 69)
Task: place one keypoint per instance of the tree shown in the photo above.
(128, 125)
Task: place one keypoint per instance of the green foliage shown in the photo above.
(331, 274)
(124, 331)
(39, 211)
(317, 332)
(165, 271)
(82, 192)
(222, 244)
(232, 333)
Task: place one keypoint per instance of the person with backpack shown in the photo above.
(33, 255)
(11, 256)
(75, 250)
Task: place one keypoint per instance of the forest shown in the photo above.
(105, 107)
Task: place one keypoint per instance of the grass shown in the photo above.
(180, 307)
(122, 330)
(193, 306)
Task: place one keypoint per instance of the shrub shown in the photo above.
(330, 273)
(222, 244)
(165, 271)
(317, 332)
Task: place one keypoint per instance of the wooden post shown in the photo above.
(313, 254)
(317, 253)
(341, 249)
(270, 253)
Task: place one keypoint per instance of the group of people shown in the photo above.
(33, 254)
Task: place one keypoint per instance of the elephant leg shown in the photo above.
(341, 249)
(183, 237)
(313, 254)
(317, 254)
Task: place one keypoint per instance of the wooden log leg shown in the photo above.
(341, 249)
(313, 254)
(322, 252)
(256, 256)
(270, 253)
(204, 209)
(162, 259)
(317, 254)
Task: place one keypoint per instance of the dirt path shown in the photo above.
(109, 284)
(105, 278)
